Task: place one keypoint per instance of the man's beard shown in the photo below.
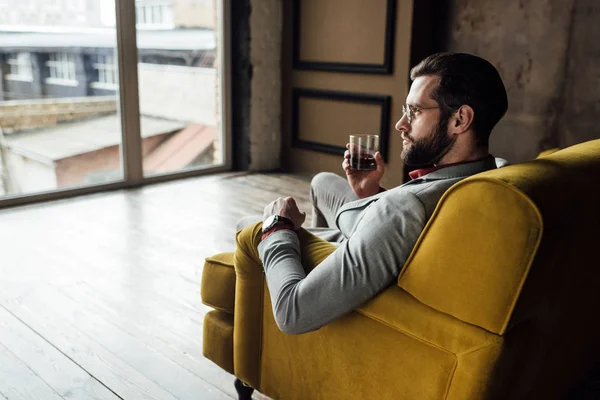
(429, 150)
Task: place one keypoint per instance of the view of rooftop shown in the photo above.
(60, 92)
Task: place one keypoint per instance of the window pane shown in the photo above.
(19, 67)
(57, 130)
(178, 88)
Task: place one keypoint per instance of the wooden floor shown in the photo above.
(99, 295)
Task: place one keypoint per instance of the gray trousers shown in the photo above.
(328, 192)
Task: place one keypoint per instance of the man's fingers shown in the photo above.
(346, 166)
(346, 162)
(378, 158)
(290, 200)
(355, 148)
(379, 162)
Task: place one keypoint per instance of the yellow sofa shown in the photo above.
(497, 300)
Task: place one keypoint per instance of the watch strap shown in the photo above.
(278, 227)
(275, 220)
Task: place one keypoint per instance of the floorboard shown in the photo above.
(110, 353)
(99, 296)
(19, 381)
(54, 369)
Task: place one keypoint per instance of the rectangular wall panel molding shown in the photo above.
(377, 125)
(339, 36)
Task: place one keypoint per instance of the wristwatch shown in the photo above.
(274, 220)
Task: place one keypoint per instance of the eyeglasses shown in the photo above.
(410, 111)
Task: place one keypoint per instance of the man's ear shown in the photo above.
(463, 119)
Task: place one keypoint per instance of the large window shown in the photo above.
(61, 69)
(20, 67)
(97, 109)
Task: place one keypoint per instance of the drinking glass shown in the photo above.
(362, 152)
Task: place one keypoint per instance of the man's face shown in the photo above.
(425, 140)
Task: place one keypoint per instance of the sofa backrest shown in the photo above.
(490, 232)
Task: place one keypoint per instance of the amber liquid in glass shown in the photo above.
(366, 162)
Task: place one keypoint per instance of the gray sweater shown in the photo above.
(381, 232)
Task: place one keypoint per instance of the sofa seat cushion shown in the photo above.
(218, 282)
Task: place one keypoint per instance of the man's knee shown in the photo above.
(321, 183)
(246, 257)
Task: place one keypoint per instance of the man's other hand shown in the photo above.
(363, 183)
(286, 207)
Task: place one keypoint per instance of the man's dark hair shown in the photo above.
(466, 79)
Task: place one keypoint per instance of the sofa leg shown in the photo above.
(244, 391)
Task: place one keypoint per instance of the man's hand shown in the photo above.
(363, 183)
(286, 207)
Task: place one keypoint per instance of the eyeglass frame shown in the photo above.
(410, 111)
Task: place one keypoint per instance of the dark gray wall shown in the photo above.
(86, 73)
(548, 53)
(38, 88)
(580, 117)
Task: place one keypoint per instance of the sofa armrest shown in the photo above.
(475, 350)
(398, 310)
(248, 307)
(250, 291)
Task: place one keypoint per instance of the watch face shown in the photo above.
(273, 220)
(269, 222)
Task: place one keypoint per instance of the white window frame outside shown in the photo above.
(62, 69)
(131, 147)
(108, 78)
(154, 15)
(20, 68)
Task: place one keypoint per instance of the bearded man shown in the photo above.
(454, 102)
